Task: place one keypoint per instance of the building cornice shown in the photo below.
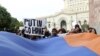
(65, 13)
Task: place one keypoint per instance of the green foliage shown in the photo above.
(7, 22)
(14, 24)
(5, 18)
(21, 23)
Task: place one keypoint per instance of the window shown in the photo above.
(63, 24)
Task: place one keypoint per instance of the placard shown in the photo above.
(34, 26)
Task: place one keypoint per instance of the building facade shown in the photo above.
(73, 12)
(95, 14)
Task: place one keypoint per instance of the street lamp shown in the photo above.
(76, 15)
(54, 24)
(49, 24)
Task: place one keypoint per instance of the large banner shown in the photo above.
(34, 26)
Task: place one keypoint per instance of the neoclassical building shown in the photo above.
(73, 12)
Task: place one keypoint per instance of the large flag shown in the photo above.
(84, 44)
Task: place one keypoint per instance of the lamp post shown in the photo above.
(49, 24)
(71, 23)
(54, 24)
(76, 17)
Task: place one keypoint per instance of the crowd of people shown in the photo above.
(46, 33)
(79, 30)
(83, 28)
(56, 33)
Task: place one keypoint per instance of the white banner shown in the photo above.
(34, 26)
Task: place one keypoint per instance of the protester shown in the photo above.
(54, 32)
(77, 29)
(19, 33)
(24, 35)
(61, 31)
(92, 30)
(46, 34)
(85, 26)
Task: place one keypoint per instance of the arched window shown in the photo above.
(63, 24)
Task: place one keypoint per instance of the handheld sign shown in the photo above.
(34, 26)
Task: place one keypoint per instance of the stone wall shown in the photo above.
(94, 21)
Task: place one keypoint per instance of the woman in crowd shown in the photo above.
(76, 30)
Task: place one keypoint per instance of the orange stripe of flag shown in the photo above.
(89, 40)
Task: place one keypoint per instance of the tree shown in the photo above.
(21, 23)
(5, 18)
(14, 24)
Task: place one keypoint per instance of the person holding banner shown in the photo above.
(46, 34)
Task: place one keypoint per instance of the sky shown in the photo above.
(21, 9)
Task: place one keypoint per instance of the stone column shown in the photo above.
(94, 14)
